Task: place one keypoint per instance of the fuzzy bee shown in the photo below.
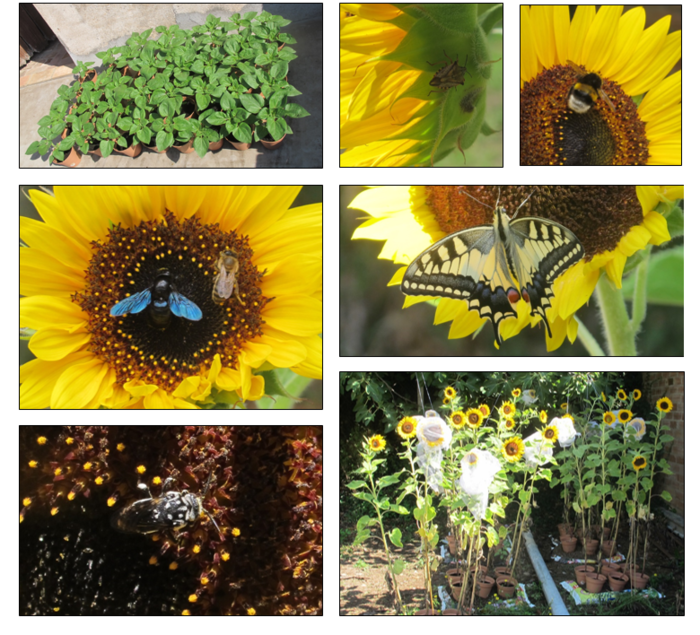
(585, 91)
(172, 511)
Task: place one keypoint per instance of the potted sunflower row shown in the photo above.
(187, 88)
(608, 477)
(475, 463)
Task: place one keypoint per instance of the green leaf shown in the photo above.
(250, 103)
(391, 479)
(296, 111)
(356, 484)
(398, 566)
(365, 496)
(361, 537)
(399, 509)
(395, 537)
(666, 496)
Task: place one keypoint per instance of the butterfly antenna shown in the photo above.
(464, 191)
(523, 203)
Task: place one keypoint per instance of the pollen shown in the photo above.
(71, 495)
(120, 447)
(54, 511)
(141, 469)
(57, 471)
(41, 440)
(157, 480)
(193, 598)
(26, 501)
(235, 531)
(172, 566)
(225, 556)
(251, 611)
(87, 466)
(186, 612)
(99, 480)
(110, 501)
(33, 463)
(70, 441)
(196, 549)
(153, 560)
(204, 580)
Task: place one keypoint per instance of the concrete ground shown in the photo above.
(303, 149)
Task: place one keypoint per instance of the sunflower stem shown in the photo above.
(616, 323)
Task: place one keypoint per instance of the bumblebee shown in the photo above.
(585, 92)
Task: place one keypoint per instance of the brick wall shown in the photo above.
(671, 385)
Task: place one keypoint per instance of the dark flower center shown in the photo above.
(164, 351)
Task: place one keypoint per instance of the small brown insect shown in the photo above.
(450, 75)
(225, 280)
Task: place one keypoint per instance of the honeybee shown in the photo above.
(585, 92)
(225, 282)
(162, 300)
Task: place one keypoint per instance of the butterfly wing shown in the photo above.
(133, 304)
(540, 251)
(470, 265)
(184, 308)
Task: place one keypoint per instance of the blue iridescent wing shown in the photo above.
(182, 307)
(133, 304)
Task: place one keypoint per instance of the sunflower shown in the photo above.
(609, 418)
(639, 463)
(450, 393)
(664, 404)
(507, 409)
(474, 418)
(407, 427)
(172, 344)
(509, 423)
(560, 55)
(621, 395)
(408, 94)
(636, 427)
(377, 443)
(458, 419)
(513, 449)
(636, 394)
(485, 410)
(516, 392)
(550, 433)
(603, 397)
(612, 223)
(543, 416)
(624, 416)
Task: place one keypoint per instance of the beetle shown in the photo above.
(450, 75)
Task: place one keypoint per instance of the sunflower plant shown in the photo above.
(369, 490)
(119, 305)
(414, 81)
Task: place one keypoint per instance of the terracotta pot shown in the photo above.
(216, 145)
(591, 546)
(131, 151)
(484, 586)
(272, 145)
(481, 573)
(639, 580)
(72, 158)
(507, 586)
(451, 541)
(186, 148)
(451, 612)
(453, 573)
(581, 572)
(568, 543)
(156, 150)
(595, 582)
(499, 571)
(609, 568)
(629, 569)
(90, 76)
(617, 581)
(606, 532)
(428, 612)
(192, 102)
(97, 152)
(608, 548)
(239, 145)
(456, 590)
(565, 529)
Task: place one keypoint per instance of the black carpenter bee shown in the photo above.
(162, 299)
(171, 511)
